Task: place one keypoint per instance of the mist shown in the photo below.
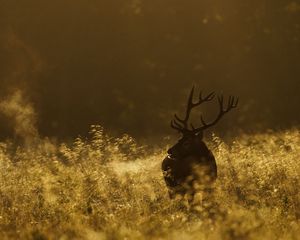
(22, 117)
(129, 65)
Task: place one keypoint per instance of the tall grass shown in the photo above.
(112, 188)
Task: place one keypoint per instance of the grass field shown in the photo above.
(112, 188)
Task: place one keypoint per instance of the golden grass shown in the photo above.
(108, 188)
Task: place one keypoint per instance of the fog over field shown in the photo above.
(87, 93)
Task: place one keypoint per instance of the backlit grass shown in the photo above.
(112, 188)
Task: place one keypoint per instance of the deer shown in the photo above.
(190, 166)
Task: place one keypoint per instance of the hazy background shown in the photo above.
(129, 64)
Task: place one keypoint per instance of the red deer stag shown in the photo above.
(190, 165)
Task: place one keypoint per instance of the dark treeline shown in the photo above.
(130, 64)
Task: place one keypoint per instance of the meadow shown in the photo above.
(104, 187)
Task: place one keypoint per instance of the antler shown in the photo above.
(232, 103)
(182, 124)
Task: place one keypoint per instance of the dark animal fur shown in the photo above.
(189, 167)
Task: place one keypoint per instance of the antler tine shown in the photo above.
(202, 121)
(175, 127)
(200, 95)
(232, 103)
(221, 99)
(229, 104)
(205, 125)
(190, 105)
(190, 100)
(177, 124)
(236, 103)
(181, 124)
(178, 119)
(209, 97)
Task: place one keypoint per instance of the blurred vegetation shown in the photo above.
(130, 64)
(102, 187)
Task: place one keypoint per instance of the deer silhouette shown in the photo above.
(190, 166)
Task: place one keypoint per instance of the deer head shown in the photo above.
(191, 140)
